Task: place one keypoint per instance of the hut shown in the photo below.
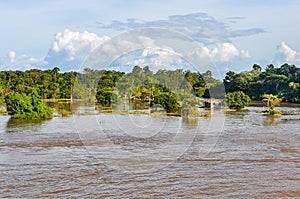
(213, 103)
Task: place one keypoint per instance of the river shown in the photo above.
(237, 155)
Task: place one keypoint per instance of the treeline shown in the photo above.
(172, 89)
(50, 84)
(283, 82)
(143, 84)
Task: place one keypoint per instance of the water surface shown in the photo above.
(254, 156)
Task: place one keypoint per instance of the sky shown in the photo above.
(234, 34)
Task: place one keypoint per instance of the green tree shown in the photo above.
(1, 95)
(271, 101)
(293, 93)
(106, 86)
(257, 67)
(27, 106)
(237, 100)
(104, 96)
(168, 101)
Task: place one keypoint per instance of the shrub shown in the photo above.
(168, 101)
(23, 106)
(237, 100)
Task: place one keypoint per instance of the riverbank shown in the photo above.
(282, 104)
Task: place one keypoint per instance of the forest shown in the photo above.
(283, 82)
(172, 88)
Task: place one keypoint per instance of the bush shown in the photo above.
(23, 106)
(272, 111)
(168, 101)
(104, 97)
(237, 100)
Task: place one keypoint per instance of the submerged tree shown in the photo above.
(27, 106)
(106, 86)
(237, 100)
(271, 101)
(168, 101)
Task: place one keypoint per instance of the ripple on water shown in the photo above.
(257, 158)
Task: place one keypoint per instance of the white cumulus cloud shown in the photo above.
(68, 51)
(76, 43)
(155, 58)
(227, 51)
(224, 52)
(286, 54)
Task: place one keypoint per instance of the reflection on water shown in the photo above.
(271, 120)
(190, 121)
(253, 157)
(23, 123)
(62, 105)
(66, 107)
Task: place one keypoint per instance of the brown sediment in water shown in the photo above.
(48, 160)
(283, 193)
(288, 150)
(71, 143)
(62, 190)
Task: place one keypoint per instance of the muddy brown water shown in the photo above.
(108, 156)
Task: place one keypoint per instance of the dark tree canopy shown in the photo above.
(142, 84)
(282, 81)
(237, 100)
(168, 101)
(27, 106)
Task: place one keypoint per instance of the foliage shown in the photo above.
(27, 106)
(50, 84)
(106, 85)
(1, 95)
(237, 100)
(272, 111)
(86, 84)
(282, 81)
(271, 101)
(53, 84)
(143, 85)
(104, 96)
(168, 101)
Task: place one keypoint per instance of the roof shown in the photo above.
(211, 100)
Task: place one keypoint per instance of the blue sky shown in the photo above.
(236, 34)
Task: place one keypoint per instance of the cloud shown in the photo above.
(286, 54)
(199, 26)
(12, 56)
(224, 52)
(228, 51)
(155, 58)
(245, 32)
(75, 43)
(69, 48)
(167, 58)
(154, 47)
(68, 51)
(150, 46)
(13, 61)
